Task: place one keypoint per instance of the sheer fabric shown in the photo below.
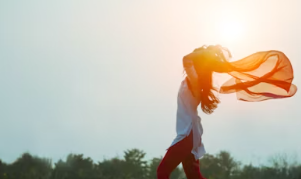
(260, 76)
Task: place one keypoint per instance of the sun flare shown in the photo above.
(230, 30)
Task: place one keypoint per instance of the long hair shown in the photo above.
(203, 67)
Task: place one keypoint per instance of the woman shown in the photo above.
(258, 77)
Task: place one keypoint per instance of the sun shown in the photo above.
(230, 30)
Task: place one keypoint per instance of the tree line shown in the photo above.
(133, 165)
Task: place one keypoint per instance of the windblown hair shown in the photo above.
(211, 56)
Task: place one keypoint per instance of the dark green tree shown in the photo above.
(248, 172)
(3, 170)
(112, 169)
(154, 163)
(135, 165)
(75, 167)
(28, 167)
(221, 166)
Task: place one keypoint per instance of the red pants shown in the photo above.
(180, 152)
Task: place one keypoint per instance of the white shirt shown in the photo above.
(187, 115)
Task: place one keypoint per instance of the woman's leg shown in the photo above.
(192, 167)
(174, 156)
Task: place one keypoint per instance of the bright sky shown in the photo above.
(100, 77)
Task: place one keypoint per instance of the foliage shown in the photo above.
(134, 166)
(27, 167)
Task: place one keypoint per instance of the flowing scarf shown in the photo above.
(261, 76)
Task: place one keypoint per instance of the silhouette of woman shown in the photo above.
(260, 76)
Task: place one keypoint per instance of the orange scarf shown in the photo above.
(260, 76)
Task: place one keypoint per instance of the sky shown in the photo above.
(101, 77)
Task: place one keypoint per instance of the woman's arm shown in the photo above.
(190, 70)
(188, 64)
(208, 60)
